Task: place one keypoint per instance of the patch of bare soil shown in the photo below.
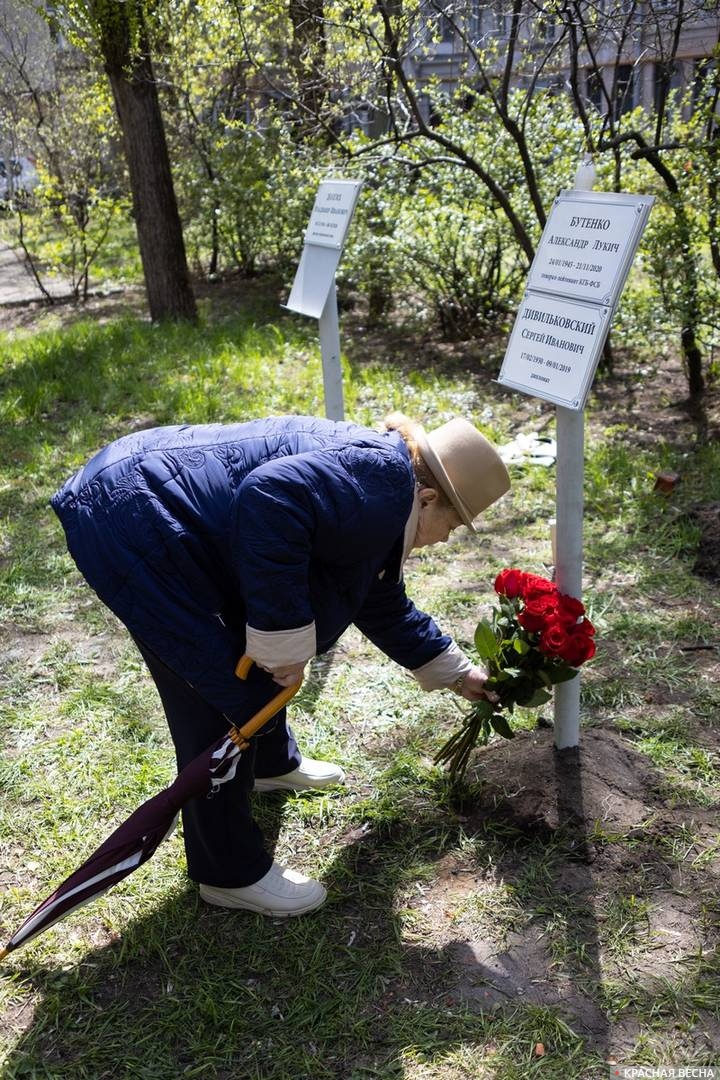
(607, 826)
(130, 303)
(260, 297)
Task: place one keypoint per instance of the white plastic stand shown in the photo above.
(313, 292)
(568, 553)
(329, 328)
(574, 284)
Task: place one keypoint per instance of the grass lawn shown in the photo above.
(555, 913)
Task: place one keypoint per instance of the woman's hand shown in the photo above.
(472, 687)
(288, 674)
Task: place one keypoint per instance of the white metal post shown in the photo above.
(330, 353)
(569, 553)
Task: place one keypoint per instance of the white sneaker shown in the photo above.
(308, 775)
(280, 893)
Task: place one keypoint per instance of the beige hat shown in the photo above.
(466, 466)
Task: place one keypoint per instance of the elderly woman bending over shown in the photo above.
(270, 538)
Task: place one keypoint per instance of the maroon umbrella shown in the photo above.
(137, 839)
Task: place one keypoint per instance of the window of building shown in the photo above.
(625, 87)
(619, 7)
(594, 90)
(493, 19)
(600, 84)
(666, 78)
(447, 25)
(545, 30)
(364, 117)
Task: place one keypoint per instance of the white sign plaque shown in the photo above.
(331, 214)
(324, 239)
(587, 246)
(554, 348)
(313, 292)
(574, 284)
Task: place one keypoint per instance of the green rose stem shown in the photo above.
(485, 717)
(474, 731)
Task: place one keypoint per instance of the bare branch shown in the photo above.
(644, 150)
(510, 58)
(500, 195)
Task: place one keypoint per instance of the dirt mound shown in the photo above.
(707, 563)
(538, 788)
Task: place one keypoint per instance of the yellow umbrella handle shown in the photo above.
(242, 668)
(260, 718)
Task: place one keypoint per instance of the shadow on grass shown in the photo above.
(345, 994)
(572, 813)
(353, 991)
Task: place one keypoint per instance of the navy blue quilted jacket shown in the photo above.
(189, 533)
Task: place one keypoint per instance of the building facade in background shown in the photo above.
(628, 53)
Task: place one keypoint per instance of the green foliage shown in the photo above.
(429, 234)
(244, 185)
(260, 104)
(373, 261)
(76, 221)
(250, 214)
(486, 641)
(675, 284)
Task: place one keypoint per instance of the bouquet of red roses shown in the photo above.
(536, 637)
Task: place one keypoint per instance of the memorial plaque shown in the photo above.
(324, 239)
(313, 292)
(574, 284)
(554, 349)
(587, 246)
(332, 212)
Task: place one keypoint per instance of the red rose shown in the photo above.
(532, 623)
(571, 603)
(580, 647)
(509, 583)
(533, 586)
(570, 609)
(538, 612)
(578, 650)
(554, 640)
(571, 644)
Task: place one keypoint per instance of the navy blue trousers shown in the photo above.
(223, 844)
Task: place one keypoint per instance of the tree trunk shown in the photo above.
(690, 308)
(308, 49)
(157, 220)
(607, 360)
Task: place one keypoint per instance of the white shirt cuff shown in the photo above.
(444, 670)
(273, 649)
